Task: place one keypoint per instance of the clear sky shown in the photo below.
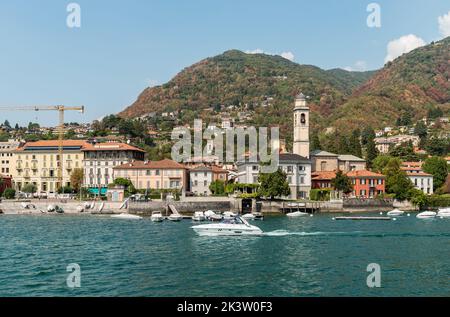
(124, 46)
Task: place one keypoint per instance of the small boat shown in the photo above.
(229, 215)
(396, 212)
(444, 213)
(249, 216)
(198, 216)
(426, 215)
(126, 216)
(157, 216)
(236, 226)
(80, 209)
(175, 217)
(212, 216)
(258, 215)
(297, 214)
(59, 210)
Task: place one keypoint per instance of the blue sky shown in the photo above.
(124, 46)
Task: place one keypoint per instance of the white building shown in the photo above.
(418, 177)
(101, 158)
(202, 176)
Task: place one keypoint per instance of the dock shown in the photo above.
(362, 218)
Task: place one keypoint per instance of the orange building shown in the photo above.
(367, 184)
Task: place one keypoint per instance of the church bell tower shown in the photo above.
(301, 126)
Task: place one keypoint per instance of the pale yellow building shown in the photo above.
(165, 174)
(37, 163)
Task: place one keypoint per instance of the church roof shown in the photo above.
(301, 96)
(322, 153)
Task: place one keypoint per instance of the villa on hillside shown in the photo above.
(418, 177)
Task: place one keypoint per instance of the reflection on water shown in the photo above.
(314, 256)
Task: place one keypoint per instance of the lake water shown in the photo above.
(313, 256)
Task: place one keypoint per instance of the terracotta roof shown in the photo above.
(110, 146)
(364, 173)
(412, 164)
(325, 175)
(163, 164)
(52, 143)
(418, 174)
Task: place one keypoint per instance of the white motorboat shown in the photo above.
(249, 216)
(297, 214)
(126, 216)
(212, 216)
(236, 226)
(198, 216)
(444, 213)
(175, 217)
(396, 212)
(229, 215)
(157, 216)
(426, 215)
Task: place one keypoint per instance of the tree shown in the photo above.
(437, 146)
(9, 193)
(381, 161)
(315, 142)
(437, 167)
(273, 184)
(418, 198)
(421, 130)
(65, 190)
(367, 134)
(371, 151)
(397, 182)
(217, 187)
(405, 152)
(76, 178)
(355, 144)
(29, 188)
(7, 124)
(342, 183)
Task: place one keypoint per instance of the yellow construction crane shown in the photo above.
(61, 109)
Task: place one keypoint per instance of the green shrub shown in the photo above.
(9, 193)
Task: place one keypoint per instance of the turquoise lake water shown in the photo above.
(314, 256)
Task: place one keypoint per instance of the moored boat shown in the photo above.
(198, 216)
(126, 216)
(444, 213)
(175, 217)
(426, 215)
(157, 216)
(212, 216)
(297, 214)
(396, 212)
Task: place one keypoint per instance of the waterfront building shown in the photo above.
(367, 184)
(6, 156)
(201, 177)
(165, 174)
(323, 161)
(418, 177)
(100, 159)
(37, 163)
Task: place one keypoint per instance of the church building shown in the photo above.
(296, 165)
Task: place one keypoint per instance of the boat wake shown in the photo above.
(282, 233)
